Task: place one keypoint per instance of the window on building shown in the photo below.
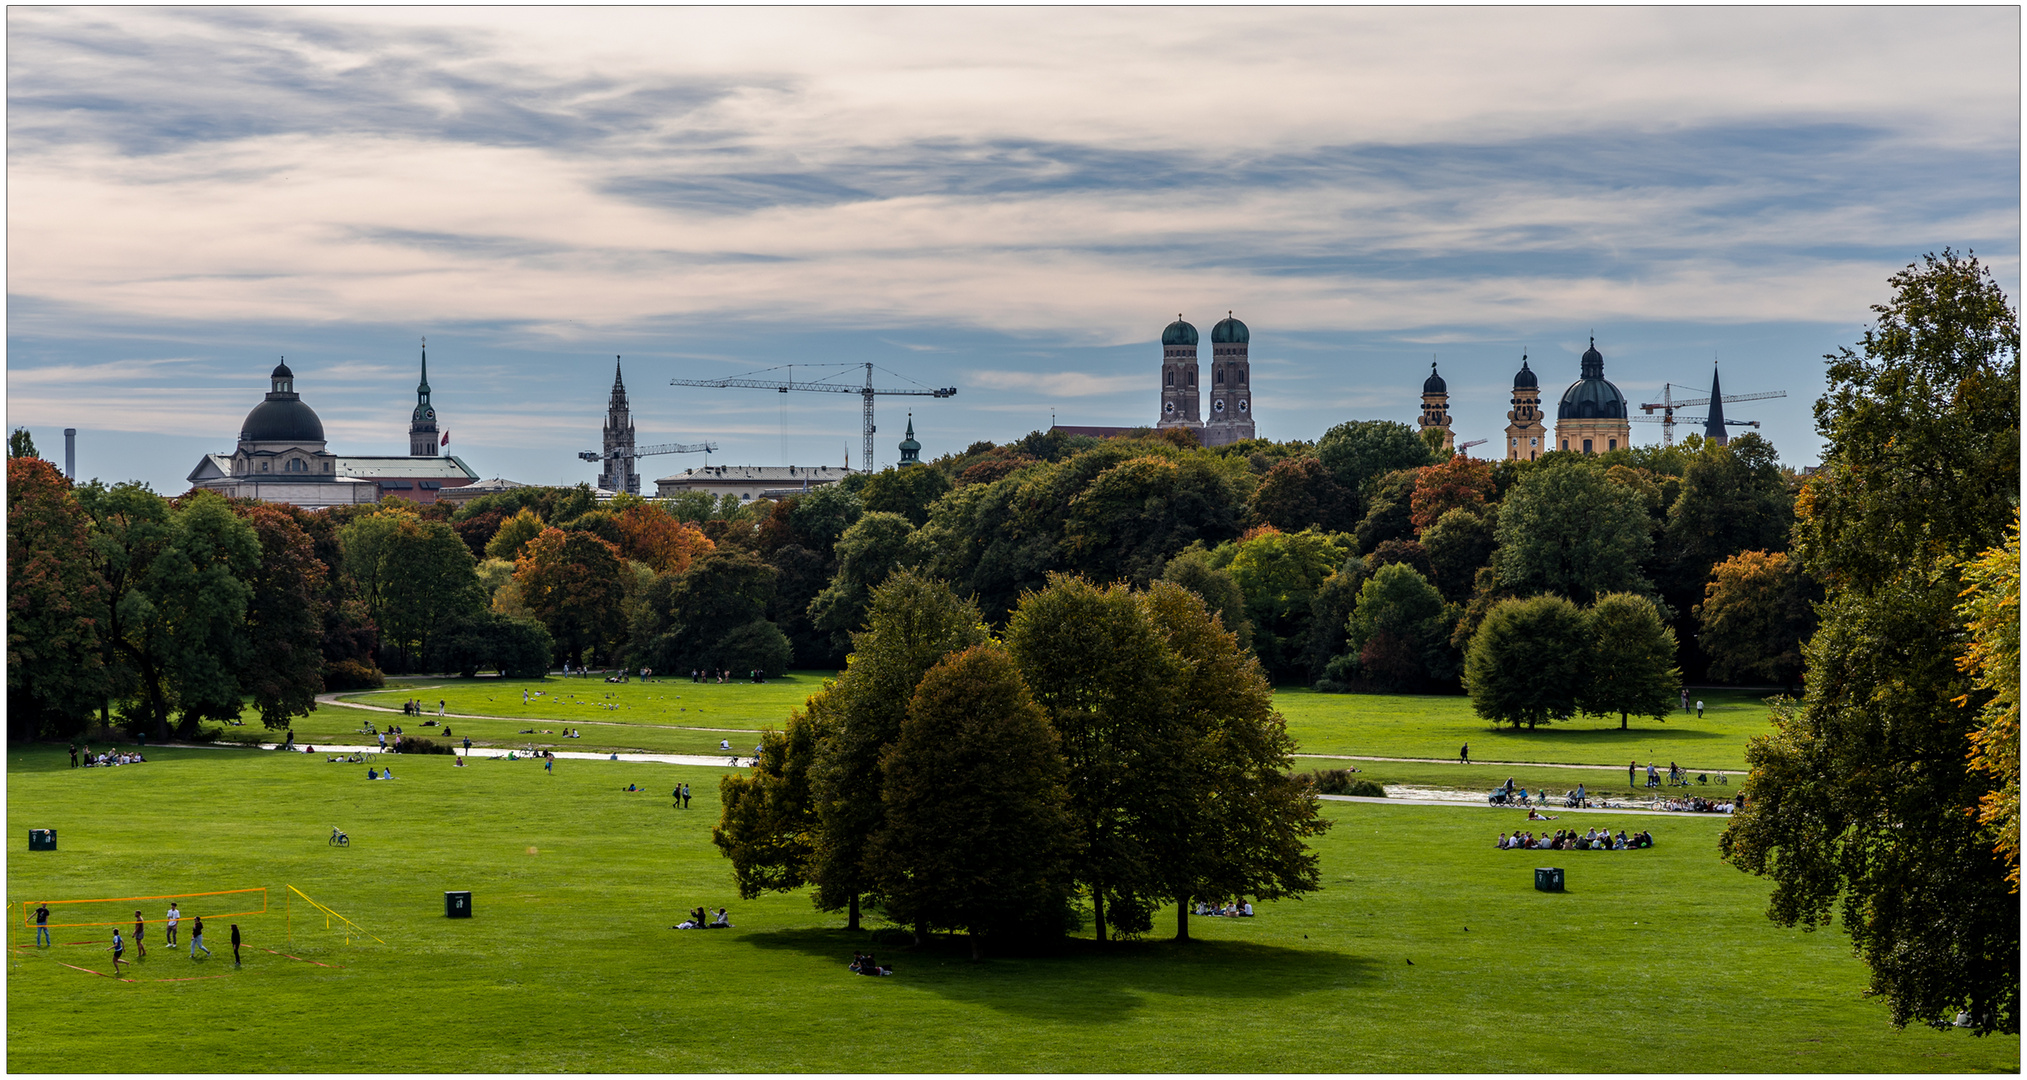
(1192, 377)
(1240, 376)
(1171, 378)
(1587, 446)
(1217, 376)
(1565, 444)
(1612, 444)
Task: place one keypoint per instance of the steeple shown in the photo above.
(422, 436)
(1713, 426)
(620, 463)
(910, 449)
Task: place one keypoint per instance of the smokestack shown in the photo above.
(70, 453)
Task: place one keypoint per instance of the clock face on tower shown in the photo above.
(1242, 405)
(1168, 406)
(1218, 405)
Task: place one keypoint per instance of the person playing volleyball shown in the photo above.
(140, 930)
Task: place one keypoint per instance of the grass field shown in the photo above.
(1653, 961)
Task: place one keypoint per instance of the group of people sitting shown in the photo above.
(1698, 804)
(864, 964)
(698, 921)
(1239, 909)
(379, 774)
(111, 757)
(355, 759)
(1570, 840)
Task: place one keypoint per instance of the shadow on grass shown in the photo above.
(1083, 982)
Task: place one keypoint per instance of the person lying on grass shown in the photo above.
(864, 964)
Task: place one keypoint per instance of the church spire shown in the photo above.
(620, 464)
(1713, 426)
(422, 437)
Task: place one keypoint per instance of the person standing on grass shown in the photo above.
(42, 924)
(686, 796)
(140, 931)
(549, 763)
(119, 950)
(175, 916)
(1464, 755)
(1685, 699)
(1699, 708)
(1631, 768)
(197, 937)
(73, 755)
(235, 944)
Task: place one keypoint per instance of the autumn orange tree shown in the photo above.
(571, 582)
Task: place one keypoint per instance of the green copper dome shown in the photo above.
(1179, 333)
(1230, 331)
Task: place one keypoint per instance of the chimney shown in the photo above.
(70, 453)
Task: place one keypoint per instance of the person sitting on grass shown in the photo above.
(1245, 909)
(686, 924)
(372, 773)
(722, 922)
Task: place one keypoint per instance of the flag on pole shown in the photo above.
(446, 439)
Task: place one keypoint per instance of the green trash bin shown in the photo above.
(457, 905)
(42, 839)
(1548, 879)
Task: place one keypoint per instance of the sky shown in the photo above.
(1013, 202)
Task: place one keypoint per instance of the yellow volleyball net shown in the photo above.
(121, 910)
(312, 909)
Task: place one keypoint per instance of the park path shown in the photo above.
(335, 699)
(723, 761)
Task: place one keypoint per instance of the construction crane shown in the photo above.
(1668, 404)
(705, 448)
(1461, 447)
(866, 393)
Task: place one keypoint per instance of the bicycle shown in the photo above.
(338, 838)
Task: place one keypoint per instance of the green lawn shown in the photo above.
(1415, 726)
(1654, 961)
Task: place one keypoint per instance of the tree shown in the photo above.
(1329, 613)
(1526, 661)
(875, 546)
(1865, 792)
(1280, 573)
(976, 835)
(514, 534)
(1565, 529)
(1457, 482)
(907, 492)
(516, 646)
(1136, 514)
(1459, 544)
(713, 616)
(1193, 569)
(1734, 499)
(1359, 451)
(649, 535)
(20, 444)
(129, 526)
(56, 605)
(193, 610)
(1630, 664)
(1388, 513)
(427, 580)
(1108, 683)
(1398, 631)
(1757, 611)
(913, 623)
(1302, 493)
(285, 619)
(822, 515)
(767, 826)
(1238, 819)
(1992, 609)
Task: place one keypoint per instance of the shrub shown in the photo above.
(1343, 782)
(412, 745)
(352, 675)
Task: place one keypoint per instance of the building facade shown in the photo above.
(622, 468)
(1591, 418)
(1231, 415)
(1436, 408)
(1527, 436)
(749, 482)
(1178, 376)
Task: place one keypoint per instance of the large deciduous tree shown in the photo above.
(56, 605)
(976, 835)
(1992, 608)
(1756, 612)
(767, 824)
(1630, 663)
(1455, 483)
(1302, 493)
(1866, 792)
(427, 580)
(1526, 662)
(196, 595)
(907, 492)
(1566, 529)
(1279, 574)
(1360, 451)
(1398, 633)
(873, 547)
(285, 617)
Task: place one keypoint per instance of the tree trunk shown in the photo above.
(977, 945)
(852, 914)
(1182, 919)
(1622, 721)
(1098, 914)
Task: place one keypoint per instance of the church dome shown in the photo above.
(1434, 384)
(1230, 331)
(282, 418)
(281, 371)
(1524, 379)
(1592, 397)
(1179, 333)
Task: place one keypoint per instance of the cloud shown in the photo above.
(1059, 384)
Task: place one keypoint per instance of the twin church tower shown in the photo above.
(1231, 382)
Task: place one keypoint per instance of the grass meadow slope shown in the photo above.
(1426, 950)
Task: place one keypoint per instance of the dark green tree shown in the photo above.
(913, 623)
(1630, 663)
(1329, 614)
(1864, 796)
(427, 579)
(767, 824)
(1280, 574)
(20, 444)
(285, 619)
(1398, 633)
(821, 515)
(1302, 493)
(874, 546)
(1459, 544)
(1566, 529)
(976, 835)
(1135, 515)
(56, 606)
(192, 613)
(1389, 509)
(1526, 662)
(1360, 451)
(907, 492)
(712, 616)
(1193, 568)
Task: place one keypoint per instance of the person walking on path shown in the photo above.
(686, 796)
(175, 916)
(549, 763)
(1464, 754)
(439, 708)
(42, 924)
(1631, 767)
(119, 951)
(197, 937)
(1699, 708)
(235, 944)
(1685, 700)
(140, 932)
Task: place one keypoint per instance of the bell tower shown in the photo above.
(1231, 418)
(1436, 407)
(1178, 376)
(619, 474)
(1526, 436)
(422, 437)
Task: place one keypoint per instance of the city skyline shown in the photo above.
(1007, 203)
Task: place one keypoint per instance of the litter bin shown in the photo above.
(1548, 879)
(42, 839)
(457, 905)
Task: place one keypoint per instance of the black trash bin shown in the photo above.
(457, 905)
(42, 839)
(1548, 879)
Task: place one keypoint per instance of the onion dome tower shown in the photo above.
(422, 437)
(1436, 407)
(1526, 436)
(1231, 416)
(1591, 417)
(620, 464)
(911, 451)
(1178, 375)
